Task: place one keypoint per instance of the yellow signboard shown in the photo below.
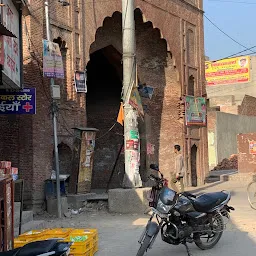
(228, 71)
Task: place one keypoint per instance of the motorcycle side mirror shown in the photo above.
(154, 167)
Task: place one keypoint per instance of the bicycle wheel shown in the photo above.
(251, 192)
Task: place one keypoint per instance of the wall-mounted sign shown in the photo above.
(252, 147)
(18, 102)
(11, 63)
(52, 59)
(80, 81)
(195, 110)
(228, 71)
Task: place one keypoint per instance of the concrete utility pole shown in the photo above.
(54, 112)
(131, 134)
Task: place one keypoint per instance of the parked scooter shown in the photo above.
(41, 248)
(183, 217)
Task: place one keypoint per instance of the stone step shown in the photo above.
(76, 201)
(27, 216)
(32, 225)
(242, 177)
(212, 179)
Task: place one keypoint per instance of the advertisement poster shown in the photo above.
(150, 149)
(80, 81)
(11, 63)
(135, 101)
(228, 71)
(52, 60)
(252, 147)
(18, 102)
(195, 111)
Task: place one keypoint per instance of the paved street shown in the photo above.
(119, 233)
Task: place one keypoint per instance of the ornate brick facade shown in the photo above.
(170, 58)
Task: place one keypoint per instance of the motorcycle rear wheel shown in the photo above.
(144, 246)
(214, 235)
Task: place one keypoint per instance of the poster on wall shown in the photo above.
(52, 60)
(228, 71)
(10, 45)
(195, 111)
(80, 81)
(252, 147)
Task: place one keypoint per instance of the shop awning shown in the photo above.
(5, 32)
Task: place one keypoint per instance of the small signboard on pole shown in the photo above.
(52, 60)
(80, 81)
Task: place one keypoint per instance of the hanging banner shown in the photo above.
(18, 102)
(252, 147)
(135, 101)
(80, 81)
(195, 110)
(228, 71)
(146, 91)
(52, 60)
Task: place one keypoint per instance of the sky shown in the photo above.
(237, 18)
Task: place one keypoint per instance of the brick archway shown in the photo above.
(162, 126)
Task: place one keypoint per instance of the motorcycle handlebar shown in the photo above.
(154, 177)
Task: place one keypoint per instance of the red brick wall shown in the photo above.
(247, 107)
(246, 161)
(168, 74)
(28, 141)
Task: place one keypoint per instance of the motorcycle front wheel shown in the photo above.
(144, 246)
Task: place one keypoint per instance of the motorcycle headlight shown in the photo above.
(161, 207)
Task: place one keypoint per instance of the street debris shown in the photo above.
(228, 164)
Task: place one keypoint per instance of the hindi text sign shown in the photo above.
(52, 60)
(228, 71)
(18, 102)
(11, 65)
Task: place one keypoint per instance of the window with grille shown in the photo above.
(77, 43)
(78, 64)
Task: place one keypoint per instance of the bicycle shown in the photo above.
(251, 193)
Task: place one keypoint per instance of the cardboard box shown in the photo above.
(5, 164)
(14, 170)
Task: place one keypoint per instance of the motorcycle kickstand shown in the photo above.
(188, 251)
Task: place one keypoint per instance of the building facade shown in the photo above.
(170, 59)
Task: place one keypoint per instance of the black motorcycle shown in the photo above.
(41, 248)
(183, 217)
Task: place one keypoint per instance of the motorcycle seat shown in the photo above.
(37, 248)
(9, 253)
(206, 202)
(32, 249)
